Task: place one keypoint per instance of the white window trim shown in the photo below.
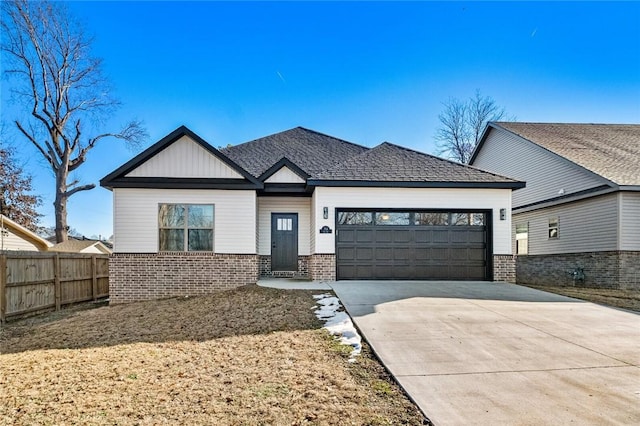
(556, 227)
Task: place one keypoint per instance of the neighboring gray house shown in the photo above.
(578, 219)
(190, 219)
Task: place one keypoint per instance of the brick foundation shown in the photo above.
(504, 268)
(302, 272)
(146, 276)
(609, 269)
(322, 267)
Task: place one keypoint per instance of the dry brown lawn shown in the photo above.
(627, 299)
(248, 356)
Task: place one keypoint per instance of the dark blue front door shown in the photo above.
(284, 241)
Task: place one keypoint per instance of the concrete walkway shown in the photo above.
(500, 354)
(294, 284)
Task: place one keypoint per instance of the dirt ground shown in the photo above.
(627, 299)
(248, 356)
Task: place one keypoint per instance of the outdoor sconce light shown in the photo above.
(503, 214)
(325, 212)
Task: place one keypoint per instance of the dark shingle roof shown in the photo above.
(313, 152)
(610, 150)
(392, 163)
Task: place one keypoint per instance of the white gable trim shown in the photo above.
(185, 159)
(285, 175)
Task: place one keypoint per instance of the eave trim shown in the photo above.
(416, 184)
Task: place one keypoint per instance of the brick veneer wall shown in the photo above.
(322, 267)
(265, 268)
(608, 269)
(504, 268)
(629, 269)
(145, 276)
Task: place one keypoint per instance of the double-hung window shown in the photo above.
(554, 228)
(522, 238)
(186, 227)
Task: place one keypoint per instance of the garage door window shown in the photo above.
(412, 218)
(355, 218)
(467, 219)
(432, 219)
(392, 218)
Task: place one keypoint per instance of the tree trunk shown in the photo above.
(60, 205)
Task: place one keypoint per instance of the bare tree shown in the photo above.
(462, 124)
(63, 89)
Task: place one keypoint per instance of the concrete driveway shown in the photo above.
(501, 354)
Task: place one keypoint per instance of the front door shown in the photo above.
(284, 241)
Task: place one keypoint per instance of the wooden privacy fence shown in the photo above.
(32, 281)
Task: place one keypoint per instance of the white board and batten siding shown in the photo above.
(135, 217)
(629, 220)
(546, 174)
(299, 205)
(410, 198)
(584, 226)
(285, 175)
(185, 158)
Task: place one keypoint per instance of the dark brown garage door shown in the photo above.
(412, 245)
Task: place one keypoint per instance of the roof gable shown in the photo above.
(284, 171)
(608, 150)
(284, 175)
(392, 165)
(185, 158)
(137, 172)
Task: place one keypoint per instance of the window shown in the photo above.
(522, 238)
(185, 227)
(554, 228)
(284, 224)
(433, 219)
(385, 218)
(467, 219)
(355, 218)
(477, 219)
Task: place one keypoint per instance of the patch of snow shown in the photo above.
(338, 323)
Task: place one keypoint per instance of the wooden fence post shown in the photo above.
(3, 287)
(57, 291)
(94, 278)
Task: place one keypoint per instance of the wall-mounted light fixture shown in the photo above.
(325, 212)
(503, 214)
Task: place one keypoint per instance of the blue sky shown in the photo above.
(364, 72)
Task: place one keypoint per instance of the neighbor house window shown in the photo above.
(185, 227)
(522, 238)
(554, 228)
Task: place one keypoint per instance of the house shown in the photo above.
(578, 220)
(87, 246)
(15, 237)
(189, 218)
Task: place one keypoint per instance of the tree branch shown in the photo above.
(70, 192)
(35, 143)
